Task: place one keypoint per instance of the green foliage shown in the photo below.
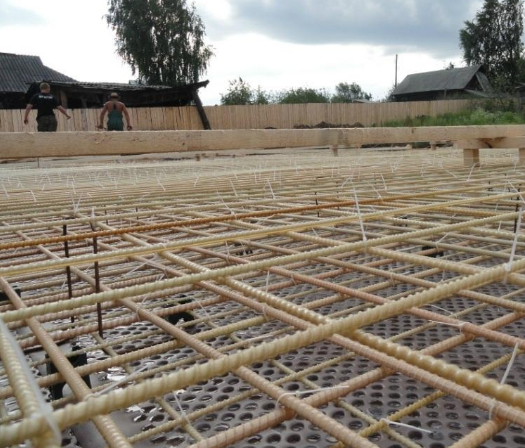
(348, 93)
(477, 116)
(494, 39)
(240, 93)
(162, 40)
(261, 96)
(303, 95)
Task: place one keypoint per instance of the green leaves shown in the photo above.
(162, 40)
(348, 93)
(240, 93)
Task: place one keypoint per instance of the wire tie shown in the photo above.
(271, 189)
(118, 383)
(441, 309)
(184, 415)
(139, 307)
(312, 391)
(204, 311)
(511, 363)
(404, 425)
(265, 307)
(360, 218)
(392, 279)
(505, 376)
(384, 183)
(460, 326)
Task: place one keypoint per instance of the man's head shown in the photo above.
(114, 97)
(45, 87)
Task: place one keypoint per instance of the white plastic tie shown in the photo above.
(124, 380)
(184, 415)
(404, 425)
(312, 391)
(360, 217)
(461, 326)
(511, 363)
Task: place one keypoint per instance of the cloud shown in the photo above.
(276, 65)
(396, 25)
(12, 15)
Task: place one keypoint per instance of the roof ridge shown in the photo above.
(451, 70)
(20, 55)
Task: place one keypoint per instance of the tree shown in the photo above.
(493, 39)
(240, 94)
(348, 93)
(162, 40)
(303, 95)
(261, 96)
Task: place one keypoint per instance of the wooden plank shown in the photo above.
(471, 157)
(522, 156)
(17, 145)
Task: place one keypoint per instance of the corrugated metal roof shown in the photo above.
(121, 87)
(18, 71)
(453, 79)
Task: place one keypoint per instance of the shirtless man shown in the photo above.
(116, 111)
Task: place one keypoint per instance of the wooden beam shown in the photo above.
(508, 142)
(473, 143)
(522, 156)
(471, 157)
(202, 113)
(64, 144)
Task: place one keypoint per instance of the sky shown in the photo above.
(275, 44)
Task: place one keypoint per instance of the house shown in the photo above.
(17, 72)
(444, 84)
(21, 75)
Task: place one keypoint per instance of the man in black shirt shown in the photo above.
(45, 103)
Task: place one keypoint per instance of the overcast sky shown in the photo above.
(276, 44)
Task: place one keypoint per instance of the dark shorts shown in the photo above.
(115, 125)
(47, 123)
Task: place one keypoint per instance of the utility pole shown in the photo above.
(397, 58)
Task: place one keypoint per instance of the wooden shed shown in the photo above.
(443, 84)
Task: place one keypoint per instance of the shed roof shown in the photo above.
(18, 71)
(122, 87)
(452, 79)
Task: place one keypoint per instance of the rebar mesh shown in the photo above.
(297, 299)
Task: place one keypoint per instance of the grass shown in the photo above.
(474, 117)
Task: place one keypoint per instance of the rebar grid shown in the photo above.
(375, 299)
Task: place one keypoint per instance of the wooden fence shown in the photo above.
(246, 117)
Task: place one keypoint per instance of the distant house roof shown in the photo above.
(121, 87)
(441, 80)
(92, 94)
(18, 71)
